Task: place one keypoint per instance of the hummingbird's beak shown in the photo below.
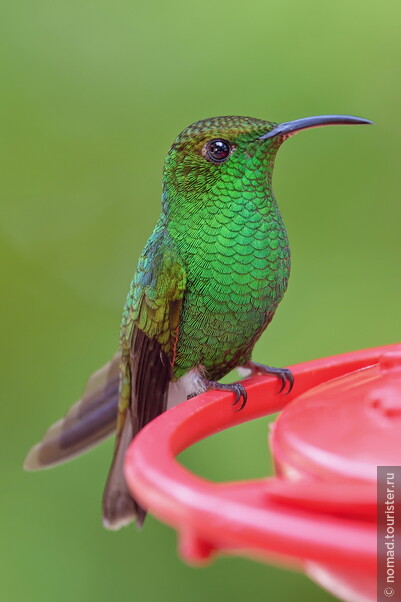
(291, 127)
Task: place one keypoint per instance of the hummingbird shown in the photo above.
(207, 285)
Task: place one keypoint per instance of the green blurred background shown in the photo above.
(93, 93)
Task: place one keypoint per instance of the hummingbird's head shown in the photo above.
(217, 152)
(236, 153)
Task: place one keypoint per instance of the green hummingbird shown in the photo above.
(207, 285)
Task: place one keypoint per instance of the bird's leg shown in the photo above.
(236, 388)
(285, 375)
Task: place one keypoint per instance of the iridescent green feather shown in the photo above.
(154, 301)
(229, 234)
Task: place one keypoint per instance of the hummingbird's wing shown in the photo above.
(87, 422)
(149, 336)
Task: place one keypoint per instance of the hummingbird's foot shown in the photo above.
(285, 375)
(236, 388)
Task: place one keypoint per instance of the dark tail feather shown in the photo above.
(150, 373)
(88, 421)
(119, 507)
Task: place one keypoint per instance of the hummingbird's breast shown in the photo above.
(237, 266)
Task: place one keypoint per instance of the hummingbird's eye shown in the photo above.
(217, 150)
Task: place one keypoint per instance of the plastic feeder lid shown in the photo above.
(343, 429)
(277, 517)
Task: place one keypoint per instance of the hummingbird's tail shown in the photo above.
(147, 375)
(119, 507)
(94, 418)
(88, 421)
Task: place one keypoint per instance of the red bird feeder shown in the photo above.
(318, 514)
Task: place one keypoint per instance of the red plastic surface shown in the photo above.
(320, 513)
(343, 429)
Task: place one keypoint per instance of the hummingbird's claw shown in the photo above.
(239, 391)
(236, 388)
(285, 375)
(286, 378)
